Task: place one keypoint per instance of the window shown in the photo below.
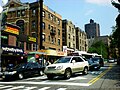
(58, 41)
(43, 25)
(20, 44)
(43, 37)
(69, 36)
(43, 13)
(48, 38)
(28, 46)
(48, 15)
(23, 13)
(51, 17)
(58, 21)
(58, 31)
(49, 26)
(69, 28)
(52, 40)
(77, 59)
(69, 44)
(18, 13)
(73, 38)
(33, 12)
(34, 47)
(33, 24)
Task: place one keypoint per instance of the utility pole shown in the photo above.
(41, 21)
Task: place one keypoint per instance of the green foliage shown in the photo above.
(100, 48)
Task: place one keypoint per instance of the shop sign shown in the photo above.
(31, 39)
(12, 49)
(12, 30)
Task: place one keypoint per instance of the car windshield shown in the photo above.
(23, 65)
(63, 60)
(95, 59)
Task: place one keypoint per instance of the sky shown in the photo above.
(81, 11)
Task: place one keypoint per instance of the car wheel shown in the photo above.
(50, 77)
(85, 71)
(41, 72)
(20, 75)
(67, 74)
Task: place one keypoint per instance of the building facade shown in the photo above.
(27, 17)
(69, 35)
(81, 40)
(92, 29)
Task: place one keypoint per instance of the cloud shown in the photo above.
(100, 2)
(89, 12)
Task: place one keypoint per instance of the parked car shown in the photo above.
(66, 66)
(23, 70)
(93, 65)
(111, 60)
(99, 60)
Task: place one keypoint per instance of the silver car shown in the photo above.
(66, 66)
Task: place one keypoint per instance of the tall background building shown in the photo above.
(92, 29)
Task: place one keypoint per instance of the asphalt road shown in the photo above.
(107, 78)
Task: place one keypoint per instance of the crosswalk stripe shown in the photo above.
(62, 89)
(44, 88)
(18, 87)
(29, 88)
(3, 87)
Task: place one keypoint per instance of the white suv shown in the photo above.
(66, 66)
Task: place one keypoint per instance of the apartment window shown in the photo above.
(48, 38)
(33, 12)
(58, 41)
(28, 46)
(33, 24)
(43, 13)
(18, 13)
(52, 40)
(73, 38)
(49, 26)
(49, 15)
(43, 37)
(54, 19)
(58, 21)
(69, 36)
(34, 46)
(69, 44)
(69, 28)
(23, 13)
(43, 25)
(58, 31)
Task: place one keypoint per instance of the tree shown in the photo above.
(100, 48)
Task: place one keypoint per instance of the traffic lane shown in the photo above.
(110, 80)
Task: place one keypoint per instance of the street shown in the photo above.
(107, 78)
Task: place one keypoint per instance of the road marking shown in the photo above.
(36, 78)
(3, 87)
(44, 88)
(99, 76)
(29, 88)
(61, 89)
(48, 83)
(18, 87)
(76, 78)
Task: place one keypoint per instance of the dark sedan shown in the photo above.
(23, 70)
(93, 65)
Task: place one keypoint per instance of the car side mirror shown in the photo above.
(73, 61)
